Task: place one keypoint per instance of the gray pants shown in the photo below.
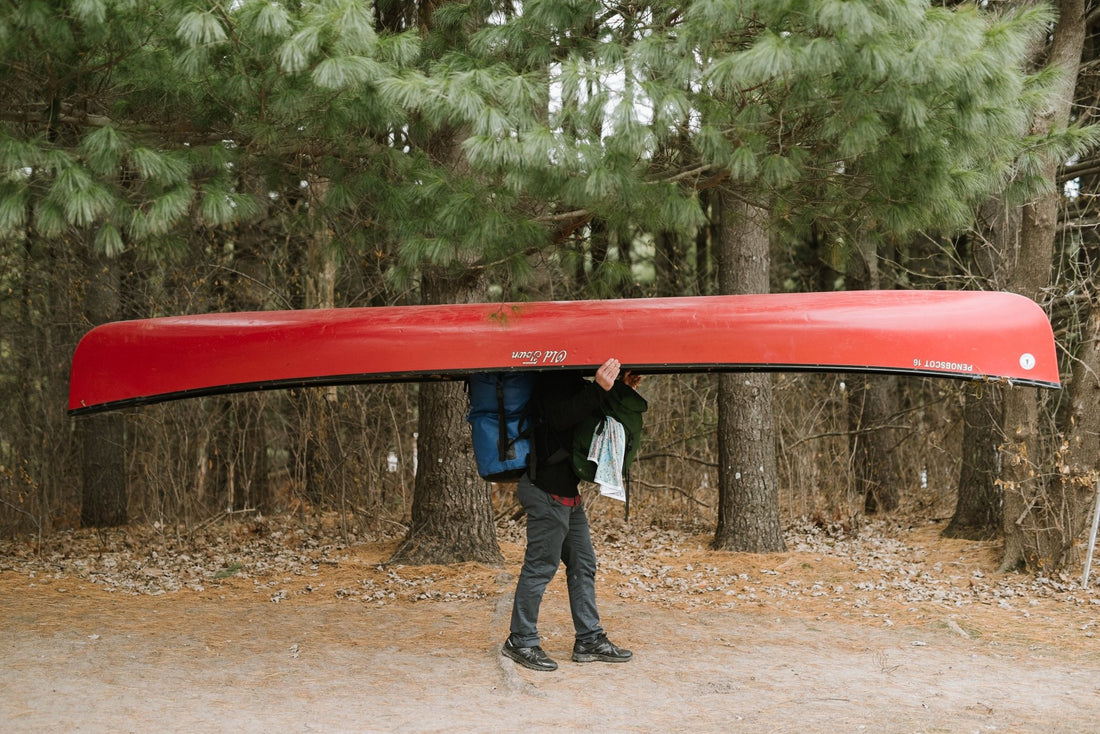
(555, 534)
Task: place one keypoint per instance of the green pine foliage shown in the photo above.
(198, 113)
(547, 142)
(891, 116)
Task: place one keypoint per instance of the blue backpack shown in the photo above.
(500, 423)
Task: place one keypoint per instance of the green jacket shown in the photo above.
(624, 405)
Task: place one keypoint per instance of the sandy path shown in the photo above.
(76, 658)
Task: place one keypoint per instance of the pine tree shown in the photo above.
(1041, 519)
(71, 179)
(862, 120)
(133, 127)
(465, 142)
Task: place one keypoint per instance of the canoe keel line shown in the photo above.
(974, 335)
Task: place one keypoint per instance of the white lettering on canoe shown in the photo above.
(538, 356)
(939, 364)
(527, 357)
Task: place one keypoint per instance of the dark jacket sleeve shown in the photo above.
(623, 404)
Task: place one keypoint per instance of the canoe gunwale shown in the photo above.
(457, 375)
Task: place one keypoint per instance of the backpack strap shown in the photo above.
(503, 444)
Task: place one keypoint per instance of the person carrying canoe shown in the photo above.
(557, 526)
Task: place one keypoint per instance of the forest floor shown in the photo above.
(280, 625)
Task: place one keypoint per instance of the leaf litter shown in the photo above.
(887, 569)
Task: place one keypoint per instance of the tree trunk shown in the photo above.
(104, 497)
(452, 510)
(748, 478)
(593, 256)
(669, 264)
(872, 406)
(320, 439)
(710, 201)
(1080, 465)
(979, 505)
(978, 509)
(872, 443)
(1036, 535)
(255, 468)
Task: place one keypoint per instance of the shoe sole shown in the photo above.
(591, 658)
(527, 664)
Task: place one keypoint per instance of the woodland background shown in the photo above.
(164, 157)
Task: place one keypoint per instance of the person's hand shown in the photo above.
(607, 373)
(631, 380)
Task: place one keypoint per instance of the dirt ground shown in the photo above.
(255, 627)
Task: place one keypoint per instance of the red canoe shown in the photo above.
(976, 335)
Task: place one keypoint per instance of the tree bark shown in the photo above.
(1080, 464)
(979, 503)
(104, 495)
(748, 494)
(872, 443)
(872, 405)
(452, 510)
(978, 506)
(320, 438)
(670, 264)
(710, 201)
(1036, 536)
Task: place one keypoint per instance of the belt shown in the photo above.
(568, 501)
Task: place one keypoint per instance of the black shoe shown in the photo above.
(529, 657)
(600, 649)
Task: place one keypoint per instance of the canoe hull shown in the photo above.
(976, 335)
